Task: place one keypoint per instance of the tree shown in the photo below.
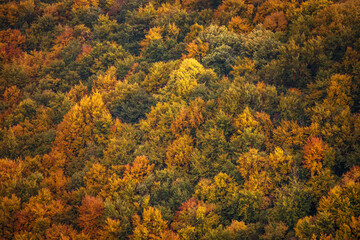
(122, 145)
(159, 75)
(87, 121)
(261, 45)
(189, 119)
(224, 47)
(195, 219)
(64, 231)
(91, 215)
(151, 226)
(252, 167)
(232, 8)
(12, 96)
(276, 22)
(128, 102)
(289, 135)
(267, 8)
(291, 203)
(248, 132)
(96, 179)
(275, 230)
(179, 153)
(106, 29)
(101, 57)
(138, 170)
(154, 34)
(84, 4)
(196, 49)
(36, 216)
(314, 155)
(8, 208)
(11, 172)
(12, 43)
(174, 188)
(239, 25)
(106, 82)
(211, 154)
(157, 130)
(336, 212)
(222, 191)
(183, 80)
(265, 173)
(338, 93)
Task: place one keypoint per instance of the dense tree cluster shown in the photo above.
(170, 119)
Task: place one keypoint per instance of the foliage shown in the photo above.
(191, 119)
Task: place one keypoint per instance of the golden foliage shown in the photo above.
(84, 4)
(264, 172)
(239, 25)
(138, 170)
(153, 34)
(179, 153)
(196, 49)
(189, 118)
(151, 226)
(90, 215)
(314, 154)
(106, 82)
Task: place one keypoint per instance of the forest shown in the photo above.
(179, 119)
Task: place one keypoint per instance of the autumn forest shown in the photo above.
(179, 119)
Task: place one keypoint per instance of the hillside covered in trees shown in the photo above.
(169, 119)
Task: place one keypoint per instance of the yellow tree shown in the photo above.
(336, 215)
(245, 120)
(265, 172)
(332, 119)
(138, 170)
(151, 226)
(57, 182)
(87, 121)
(183, 80)
(338, 93)
(248, 132)
(252, 167)
(179, 153)
(12, 96)
(84, 4)
(289, 135)
(106, 82)
(154, 34)
(95, 179)
(195, 30)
